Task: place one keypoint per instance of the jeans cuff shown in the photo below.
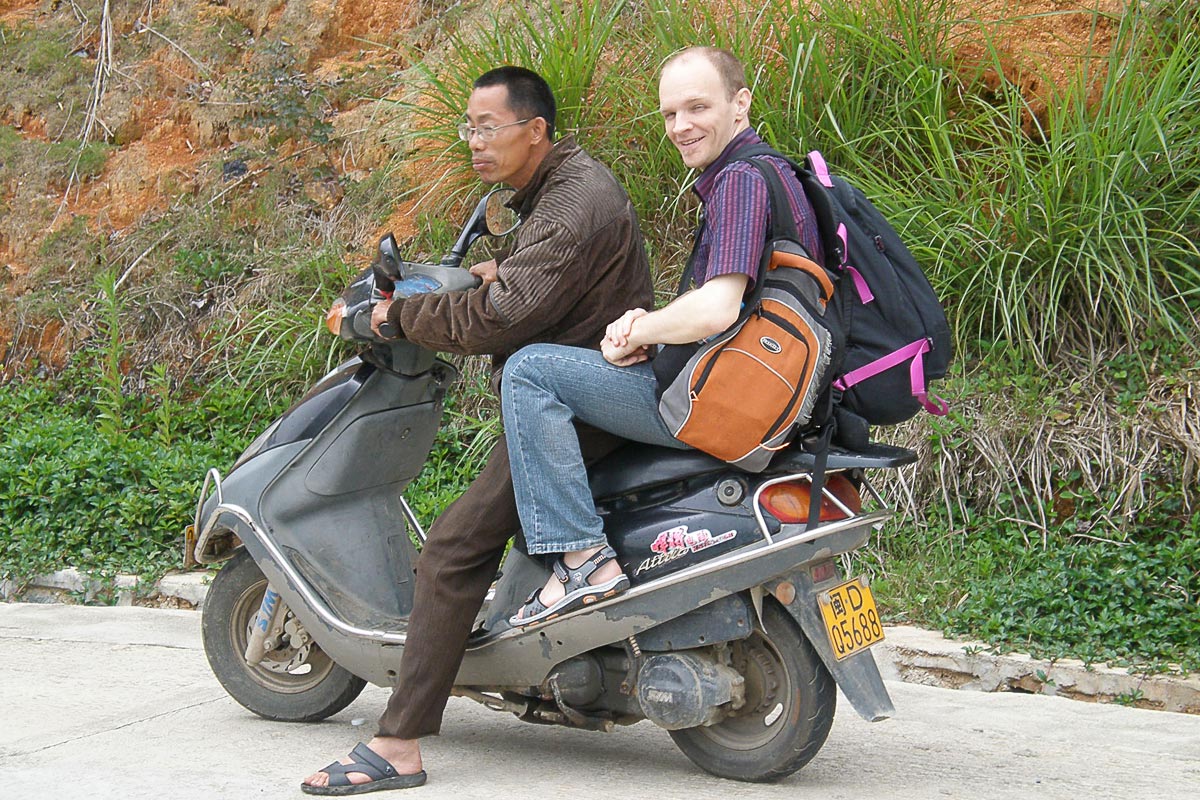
(564, 547)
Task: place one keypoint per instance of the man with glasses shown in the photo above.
(576, 263)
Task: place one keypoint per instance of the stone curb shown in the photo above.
(908, 654)
(186, 588)
(926, 657)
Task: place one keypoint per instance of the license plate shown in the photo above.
(851, 618)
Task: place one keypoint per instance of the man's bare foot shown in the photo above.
(403, 754)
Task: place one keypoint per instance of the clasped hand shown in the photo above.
(617, 347)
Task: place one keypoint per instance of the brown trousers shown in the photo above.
(458, 563)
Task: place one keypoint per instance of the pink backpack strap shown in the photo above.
(860, 283)
(820, 168)
(913, 353)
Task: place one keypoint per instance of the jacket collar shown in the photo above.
(522, 202)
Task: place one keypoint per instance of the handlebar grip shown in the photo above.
(388, 331)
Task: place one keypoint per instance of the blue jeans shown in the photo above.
(545, 387)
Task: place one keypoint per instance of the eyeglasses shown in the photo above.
(486, 132)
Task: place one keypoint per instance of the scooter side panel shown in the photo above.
(524, 658)
(388, 447)
(335, 511)
(320, 404)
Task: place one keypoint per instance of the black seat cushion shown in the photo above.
(636, 466)
(639, 466)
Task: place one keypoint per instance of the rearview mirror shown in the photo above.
(498, 218)
(490, 218)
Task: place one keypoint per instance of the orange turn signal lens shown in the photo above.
(335, 315)
(789, 502)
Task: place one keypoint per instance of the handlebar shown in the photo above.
(351, 316)
(409, 278)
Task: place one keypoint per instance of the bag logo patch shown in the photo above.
(770, 345)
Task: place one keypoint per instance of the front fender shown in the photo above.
(221, 536)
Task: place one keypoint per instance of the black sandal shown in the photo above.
(579, 592)
(365, 761)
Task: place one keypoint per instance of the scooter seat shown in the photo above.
(637, 466)
(640, 466)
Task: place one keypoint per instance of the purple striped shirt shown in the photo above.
(737, 209)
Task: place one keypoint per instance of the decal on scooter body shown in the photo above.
(659, 540)
(695, 541)
(679, 542)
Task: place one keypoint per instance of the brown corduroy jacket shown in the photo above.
(577, 263)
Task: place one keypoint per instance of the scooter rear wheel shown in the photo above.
(290, 684)
(790, 702)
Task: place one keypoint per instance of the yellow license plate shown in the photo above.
(851, 618)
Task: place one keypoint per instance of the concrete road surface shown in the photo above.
(120, 703)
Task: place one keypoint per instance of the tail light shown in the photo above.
(335, 315)
(789, 502)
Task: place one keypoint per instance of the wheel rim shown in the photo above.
(770, 699)
(286, 669)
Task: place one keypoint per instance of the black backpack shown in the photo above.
(897, 338)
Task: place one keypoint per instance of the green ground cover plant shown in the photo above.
(1125, 602)
(1053, 511)
(115, 496)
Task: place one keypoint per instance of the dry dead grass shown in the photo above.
(1082, 441)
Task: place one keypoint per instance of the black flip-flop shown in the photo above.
(364, 761)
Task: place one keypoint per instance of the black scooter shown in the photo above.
(732, 636)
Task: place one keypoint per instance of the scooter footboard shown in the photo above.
(857, 675)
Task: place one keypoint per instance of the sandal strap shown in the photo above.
(532, 606)
(579, 577)
(364, 761)
(366, 755)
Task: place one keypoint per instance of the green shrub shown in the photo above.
(1131, 603)
(117, 501)
(85, 160)
(10, 144)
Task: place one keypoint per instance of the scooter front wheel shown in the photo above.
(790, 701)
(292, 683)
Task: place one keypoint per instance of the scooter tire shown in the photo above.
(790, 703)
(272, 689)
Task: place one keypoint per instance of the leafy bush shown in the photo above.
(1130, 603)
(84, 160)
(112, 501)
